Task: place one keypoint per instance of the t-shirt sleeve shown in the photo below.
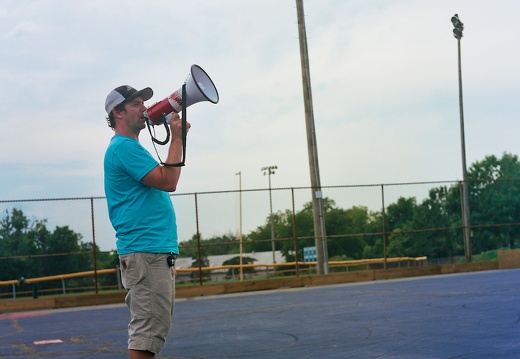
(136, 160)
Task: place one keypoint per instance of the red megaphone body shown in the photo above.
(199, 87)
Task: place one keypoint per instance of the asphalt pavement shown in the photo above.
(471, 315)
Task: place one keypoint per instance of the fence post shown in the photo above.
(464, 206)
(295, 236)
(384, 222)
(94, 243)
(198, 237)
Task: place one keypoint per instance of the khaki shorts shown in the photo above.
(151, 297)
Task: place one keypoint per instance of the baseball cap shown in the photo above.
(125, 93)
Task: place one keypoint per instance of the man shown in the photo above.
(141, 212)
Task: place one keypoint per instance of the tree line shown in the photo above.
(409, 228)
(29, 250)
(431, 227)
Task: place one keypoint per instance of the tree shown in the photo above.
(66, 242)
(259, 240)
(204, 262)
(235, 272)
(15, 242)
(431, 220)
(346, 229)
(189, 248)
(400, 214)
(495, 199)
(30, 250)
(225, 244)
(354, 223)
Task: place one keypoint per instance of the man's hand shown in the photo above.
(166, 178)
(176, 126)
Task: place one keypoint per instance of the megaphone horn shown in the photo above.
(199, 87)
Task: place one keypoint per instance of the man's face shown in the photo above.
(133, 114)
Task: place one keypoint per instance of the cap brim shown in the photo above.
(145, 94)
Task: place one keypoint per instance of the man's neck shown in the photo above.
(124, 131)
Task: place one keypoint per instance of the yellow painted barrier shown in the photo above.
(58, 276)
(288, 264)
(235, 266)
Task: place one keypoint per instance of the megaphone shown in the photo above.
(198, 87)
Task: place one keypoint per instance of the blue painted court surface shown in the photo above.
(472, 315)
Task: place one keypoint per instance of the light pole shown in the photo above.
(457, 32)
(239, 174)
(269, 170)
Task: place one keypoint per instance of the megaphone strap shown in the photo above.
(184, 134)
(154, 139)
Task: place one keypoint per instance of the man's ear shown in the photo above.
(116, 113)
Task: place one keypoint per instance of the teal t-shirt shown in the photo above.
(143, 217)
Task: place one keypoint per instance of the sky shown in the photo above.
(384, 78)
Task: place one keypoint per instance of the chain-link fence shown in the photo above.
(224, 231)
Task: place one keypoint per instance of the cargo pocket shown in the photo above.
(129, 274)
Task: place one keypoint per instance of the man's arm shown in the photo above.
(165, 178)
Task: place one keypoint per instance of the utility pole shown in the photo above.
(320, 235)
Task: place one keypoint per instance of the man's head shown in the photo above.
(121, 95)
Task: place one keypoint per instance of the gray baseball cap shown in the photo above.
(125, 93)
